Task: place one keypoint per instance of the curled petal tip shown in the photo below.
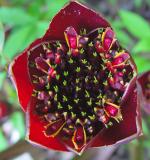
(71, 37)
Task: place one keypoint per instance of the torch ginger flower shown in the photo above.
(77, 85)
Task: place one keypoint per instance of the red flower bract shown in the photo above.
(144, 81)
(77, 84)
(5, 109)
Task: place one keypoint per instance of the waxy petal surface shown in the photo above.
(18, 72)
(35, 131)
(76, 15)
(127, 129)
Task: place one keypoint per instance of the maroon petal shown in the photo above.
(108, 39)
(127, 129)
(4, 109)
(41, 64)
(144, 81)
(79, 138)
(35, 130)
(77, 16)
(71, 37)
(53, 128)
(19, 74)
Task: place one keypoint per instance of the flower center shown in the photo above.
(79, 84)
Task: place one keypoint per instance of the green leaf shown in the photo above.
(142, 46)
(35, 6)
(41, 28)
(138, 3)
(2, 78)
(15, 16)
(3, 140)
(18, 40)
(19, 2)
(17, 120)
(54, 7)
(11, 93)
(146, 144)
(145, 127)
(148, 2)
(123, 38)
(2, 37)
(112, 2)
(117, 24)
(135, 24)
(142, 63)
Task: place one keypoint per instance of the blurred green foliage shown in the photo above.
(4, 143)
(18, 122)
(2, 36)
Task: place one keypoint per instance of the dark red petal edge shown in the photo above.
(76, 15)
(142, 80)
(130, 127)
(18, 73)
(35, 134)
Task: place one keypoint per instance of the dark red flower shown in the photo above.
(144, 81)
(4, 109)
(77, 84)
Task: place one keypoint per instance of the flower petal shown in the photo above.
(71, 37)
(79, 138)
(127, 129)
(144, 82)
(35, 130)
(5, 109)
(77, 16)
(19, 74)
(53, 128)
(108, 39)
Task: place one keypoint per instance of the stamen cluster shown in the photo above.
(79, 84)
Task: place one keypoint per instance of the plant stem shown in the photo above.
(136, 151)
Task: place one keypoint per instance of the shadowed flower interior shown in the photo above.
(79, 84)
